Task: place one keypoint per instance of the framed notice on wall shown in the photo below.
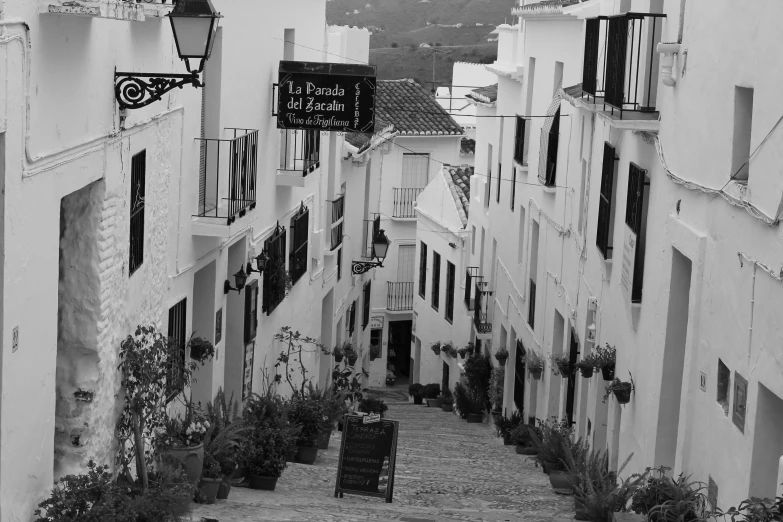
(629, 257)
(247, 374)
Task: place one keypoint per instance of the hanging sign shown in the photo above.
(376, 322)
(326, 96)
(629, 256)
(367, 456)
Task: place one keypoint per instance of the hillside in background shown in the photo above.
(399, 27)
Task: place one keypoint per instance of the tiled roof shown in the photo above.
(575, 91)
(412, 111)
(467, 146)
(458, 180)
(487, 94)
(358, 139)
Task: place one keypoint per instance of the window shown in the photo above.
(488, 192)
(137, 195)
(297, 261)
(531, 311)
(450, 279)
(177, 324)
(423, 270)
(339, 264)
(435, 280)
(275, 276)
(338, 213)
(497, 197)
(366, 304)
(743, 123)
(552, 147)
(531, 314)
(251, 311)
(415, 170)
(513, 187)
(352, 319)
(740, 401)
(521, 239)
(724, 382)
(603, 236)
(636, 219)
(519, 141)
(581, 206)
(473, 241)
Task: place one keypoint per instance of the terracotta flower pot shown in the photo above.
(579, 510)
(623, 395)
(526, 450)
(506, 439)
(432, 403)
(475, 418)
(210, 488)
(305, 455)
(535, 374)
(417, 399)
(323, 439)
(192, 460)
(586, 372)
(447, 407)
(608, 373)
(265, 483)
(549, 467)
(563, 480)
(224, 489)
(352, 361)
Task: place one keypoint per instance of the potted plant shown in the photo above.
(549, 441)
(600, 493)
(305, 411)
(350, 353)
(183, 439)
(435, 347)
(521, 439)
(502, 356)
(416, 390)
(200, 348)
(754, 510)
(333, 407)
(505, 426)
(446, 400)
(495, 390)
(622, 391)
(431, 393)
(534, 364)
(463, 351)
(461, 400)
(264, 457)
(585, 366)
(573, 455)
(372, 404)
(223, 438)
(338, 354)
(561, 365)
(475, 406)
(448, 349)
(605, 360)
(211, 478)
(662, 498)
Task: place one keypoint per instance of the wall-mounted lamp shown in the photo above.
(453, 245)
(380, 246)
(261, 260)
(240, 279)
(194, 24)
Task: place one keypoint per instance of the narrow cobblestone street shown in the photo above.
(447, 469)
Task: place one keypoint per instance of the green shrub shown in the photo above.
(306, 412)
(372, 404)
(431, 391)
(664, 499)
(415, 390)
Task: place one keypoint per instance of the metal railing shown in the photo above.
(621, 62)
(481, 318)
(399, 296)
(338, 211)
(471, 277)
(300, 150)
(234, 159)
(405, 202)
(371, 229)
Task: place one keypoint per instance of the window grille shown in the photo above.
(435, 280)
(366, 304)
(275, 275)
(423, 270)
(740, 401)
(177, 339)
(450, 277)
(137, 196)
(297, 261)
(603, 233)
(633, 208)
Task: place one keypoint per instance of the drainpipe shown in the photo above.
(682, 21)
(668, 50)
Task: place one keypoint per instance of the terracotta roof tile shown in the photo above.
(488, 94)
(412, 111)
(467, 146)
(458, 180)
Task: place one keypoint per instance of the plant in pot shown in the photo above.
(521, 439)
(338, 354)
(753, 509)
(622, 391)
(502, 356)
(561, 365)
(476, 405)
(549, 443)
(211, 478)
(435, 347)
(534, 364)
(605, 357)
(448, 349)
(446, 400)
(586, 366)
(306, 411)
(416, 391)
(372, 404)
(573, 456)
(505, 426)
(264, 456)
(463, 351)
(478, 370)
(333, 408)
(351, 353)
(600, 493)
(200, 348)
(461, 399)
(183, 438)
(662, 498)
(495, 391)
(223, 437)
(431, 393)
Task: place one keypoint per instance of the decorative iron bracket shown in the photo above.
(136, 90)
(360, 267)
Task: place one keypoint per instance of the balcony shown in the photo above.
(405, 202)
(481, 319)
(227, 182)
(338, 214)
(128, 10)
(620, 68)
(300, 155)
(371, 229)
(471, 278)
(399, 296)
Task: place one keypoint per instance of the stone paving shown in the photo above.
(447, 469)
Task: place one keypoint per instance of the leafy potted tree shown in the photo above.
(264, 457)
(461, 399)
(306, 411)
(502, 356)
(605, 357)
(184, 439)
(495, 389)
(431, 393)
(534, 364)
(475, 405)
(211, 477)
(416, 390)
(446, 400)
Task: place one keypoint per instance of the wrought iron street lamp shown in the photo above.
(194, 24)
(240, 279)
(380, 246)
(261, 260)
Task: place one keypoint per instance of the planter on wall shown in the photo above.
(622, 392)
(608, 372)
(586, 372)
(536, 374)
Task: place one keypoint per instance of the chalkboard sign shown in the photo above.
(367, 456)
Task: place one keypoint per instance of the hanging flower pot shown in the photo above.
(586, 372)
(352, 361)
(622, 392)
(608, 372)
(501, 356)
(338, 358)
(536, 374)
(435, 347)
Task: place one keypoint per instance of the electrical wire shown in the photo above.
(747, 161)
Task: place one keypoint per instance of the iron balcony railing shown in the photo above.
(371, 229)
(399, 296)
(300, 151)
(471, 278)
(621, 62)
(481, 318)
(405, 202)
(338, 211)
(227, 174)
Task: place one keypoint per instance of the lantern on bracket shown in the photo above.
(380, 247)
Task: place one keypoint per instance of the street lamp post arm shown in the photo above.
(136, 90)
(360, 267)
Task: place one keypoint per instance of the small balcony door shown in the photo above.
(406, 263)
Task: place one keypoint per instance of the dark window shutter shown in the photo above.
(251, 314)
(137, 198)
(590, 63)
(519, 141)
(435, 280)
(352, 319)
(178, 315)
(605, 201)
(366, 304)
(551, 157)
(423, 270)
(633, 208)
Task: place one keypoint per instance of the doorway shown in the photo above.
(444, 383)
(519, 377)
(555, 384)
(767, 445)
(673, 361)
(571, 384)
(399, 358)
